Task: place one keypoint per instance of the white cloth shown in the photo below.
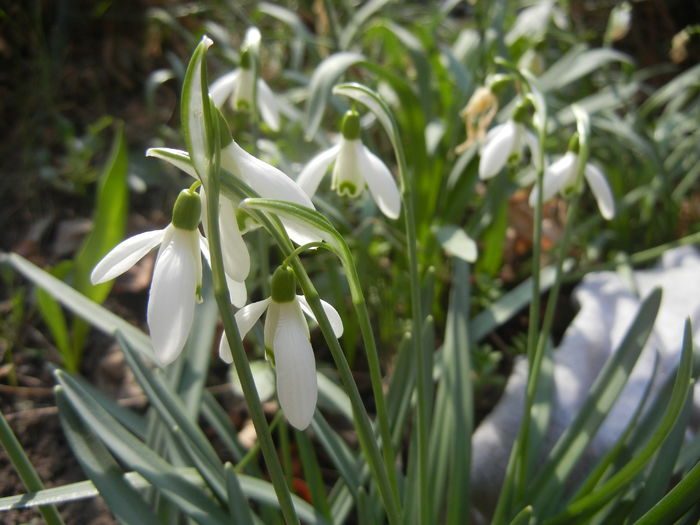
(607, 309)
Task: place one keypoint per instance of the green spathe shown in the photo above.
(350, 125)
(284, 285)
(187, 211)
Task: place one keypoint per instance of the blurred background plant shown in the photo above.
(74, 70)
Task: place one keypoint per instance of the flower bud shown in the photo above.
(284, 285)
(350, 125)
(246, 61)
(187, 211)
(522, 111)
(573, 143)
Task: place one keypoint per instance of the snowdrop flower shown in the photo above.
(267, 181)
(505, 141)
(355, 166)
(561, 177)
(177, 275)
(240, 87)
(287, 335)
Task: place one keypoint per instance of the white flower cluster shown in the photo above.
(177, 274)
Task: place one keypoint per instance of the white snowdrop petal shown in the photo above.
(310, 177)
(533, 144)
(497, 150)
(555, 178)
(601, 190)
(270, 183)
(172, 297)
(381, 184)
(225, 350)
(223, 88)
(297, 388)
(331, 313)
(247, 316)
(267, 105)
(234, 249)
(348, 173)
(238, 294)
(124, 255)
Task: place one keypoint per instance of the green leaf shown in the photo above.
(312, 474)
(109, 220)
(681, 389)
(55, 320)
(457, 243)
(359, 19)
(175, 415)
(99, 465)
(454, 411)
(194, 112)
(25, 469)
(93, 313)
(577, 63)
(237, 504)
(182, 491)
(338, 452)
(677, 502)
(325, 75)
(549, 482)
(194, 358)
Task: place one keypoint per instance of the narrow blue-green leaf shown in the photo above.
(188, 496)
(136, 423)
(221, 423)
(577, 63)
(659, 476)
(509, 305)
(339, 453)
(253, 488)
(194, 112)
(29, 476)
(603, 394)
(681, 389)
(99, 465)
(174, 413)
(359, 19)
(687, 80)
(457, 243)
(237, 504)
(312, 474)
(196, 353)
(178, 158)
(109, 220)
(456, 380)
(325, 75)
(332, 397)
(93, 313)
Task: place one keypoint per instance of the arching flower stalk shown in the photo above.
(177, 275)
(287, 338)
(355, 167)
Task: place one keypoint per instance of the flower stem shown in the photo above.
(240, 360)
(381, 473)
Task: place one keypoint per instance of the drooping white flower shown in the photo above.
(267, 181)
(355, 167)
(287, 335)
(177, 275)
(503, 142)
(561, 177)
(240, 86)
